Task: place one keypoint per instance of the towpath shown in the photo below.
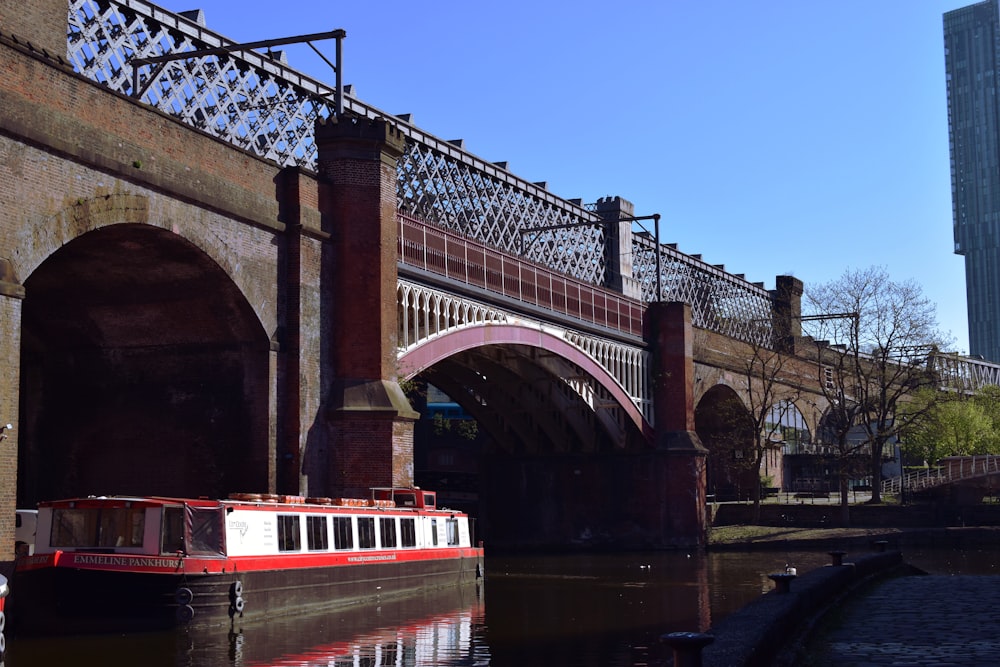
(915, 620)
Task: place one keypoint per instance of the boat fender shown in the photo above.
(3, 645)
(183, 595)
(479, 570)
(185, 613)
(3, 621)
(238, 605)
(236, 590)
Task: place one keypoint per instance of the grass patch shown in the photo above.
(748, 534)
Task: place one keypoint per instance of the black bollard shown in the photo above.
(782, 581)
(687, 647)
(880, 545)
(837, 556)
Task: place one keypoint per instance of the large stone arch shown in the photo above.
(725, 428)
(565, 447)
(212, 233)
(144, 369)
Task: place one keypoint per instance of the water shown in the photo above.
(580, 610)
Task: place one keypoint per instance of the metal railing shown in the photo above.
(954, 469)
(439, 251)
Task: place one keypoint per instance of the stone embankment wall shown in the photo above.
(827, 514)
(765, 632)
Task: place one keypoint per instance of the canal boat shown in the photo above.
(4, 590)
(122, 563)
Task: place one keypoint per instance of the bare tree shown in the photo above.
(881, 333)
(770, 397)
(837, 383)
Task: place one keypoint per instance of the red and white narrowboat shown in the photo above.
(4, 590)
(127, 563)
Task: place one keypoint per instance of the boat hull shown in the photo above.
(70, 600)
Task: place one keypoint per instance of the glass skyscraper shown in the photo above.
(972, 69)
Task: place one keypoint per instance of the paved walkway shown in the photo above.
(935, 620)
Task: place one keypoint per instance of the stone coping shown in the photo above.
(757, 634)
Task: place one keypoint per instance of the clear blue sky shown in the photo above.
(776, 137)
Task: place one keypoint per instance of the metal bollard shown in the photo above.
(687, 647)
(782, 581)
(837, 557)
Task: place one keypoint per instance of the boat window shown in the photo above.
(342, 535)
(316, 533)
(451, 525)
(289, 536)
(430, 500)
(207, 530)
(407, 533)
(434, 532)
(405, 499)
(172, 533)
(105, 527)
(366, 532)
(387, 527)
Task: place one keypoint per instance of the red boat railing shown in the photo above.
(445, 253)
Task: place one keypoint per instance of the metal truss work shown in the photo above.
(263, 106)
(962, 374)
(460, 197)
(720, 301)
(425, 313)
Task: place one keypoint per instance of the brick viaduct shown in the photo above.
(180, 317)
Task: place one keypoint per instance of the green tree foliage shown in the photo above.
(467, 429)
(958, 426)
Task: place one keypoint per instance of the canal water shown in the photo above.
(568, 610)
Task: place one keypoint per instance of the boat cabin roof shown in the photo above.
(381, 497)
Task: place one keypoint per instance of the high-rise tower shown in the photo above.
(972, 70)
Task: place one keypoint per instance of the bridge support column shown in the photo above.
(11, 299)
(618, 245)
(787, 320)
(682, 498)
(371, 421)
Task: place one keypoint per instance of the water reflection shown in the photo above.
(439, 628)
(605, 610)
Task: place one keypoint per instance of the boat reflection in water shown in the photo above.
(437, 628)
(440, 627)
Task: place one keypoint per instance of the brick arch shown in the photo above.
(438, 348)
(195, 225)
(724, 426)
(144, 370)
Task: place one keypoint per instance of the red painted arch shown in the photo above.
(441, 347)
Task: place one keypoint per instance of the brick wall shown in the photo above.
(75, 158)
(10, 333)
(42, 23)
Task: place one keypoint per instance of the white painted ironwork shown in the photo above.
(425, 313)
